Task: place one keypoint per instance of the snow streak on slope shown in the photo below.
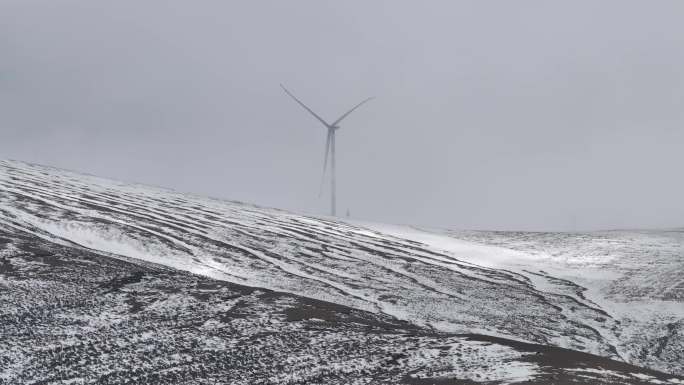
(635, 276)
(325, 259)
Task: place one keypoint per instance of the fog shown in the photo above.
(526, 115)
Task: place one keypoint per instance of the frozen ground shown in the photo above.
(636, 277)
(73, 316)
(618, 295)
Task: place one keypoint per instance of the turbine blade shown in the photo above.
(350, 111)
(325, 160)
(304, 105)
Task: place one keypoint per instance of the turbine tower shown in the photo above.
(329, 145)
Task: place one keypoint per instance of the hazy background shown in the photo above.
(495, 115)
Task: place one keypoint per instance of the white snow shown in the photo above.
(456, 282)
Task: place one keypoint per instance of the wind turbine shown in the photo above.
(329, 144)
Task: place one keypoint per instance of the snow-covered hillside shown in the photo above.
(615, 294)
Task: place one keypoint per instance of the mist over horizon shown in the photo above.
(546, 117)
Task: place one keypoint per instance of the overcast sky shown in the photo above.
(527, 115)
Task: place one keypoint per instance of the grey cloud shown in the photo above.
(506, 115)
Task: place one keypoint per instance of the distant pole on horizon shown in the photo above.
(329, 147)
